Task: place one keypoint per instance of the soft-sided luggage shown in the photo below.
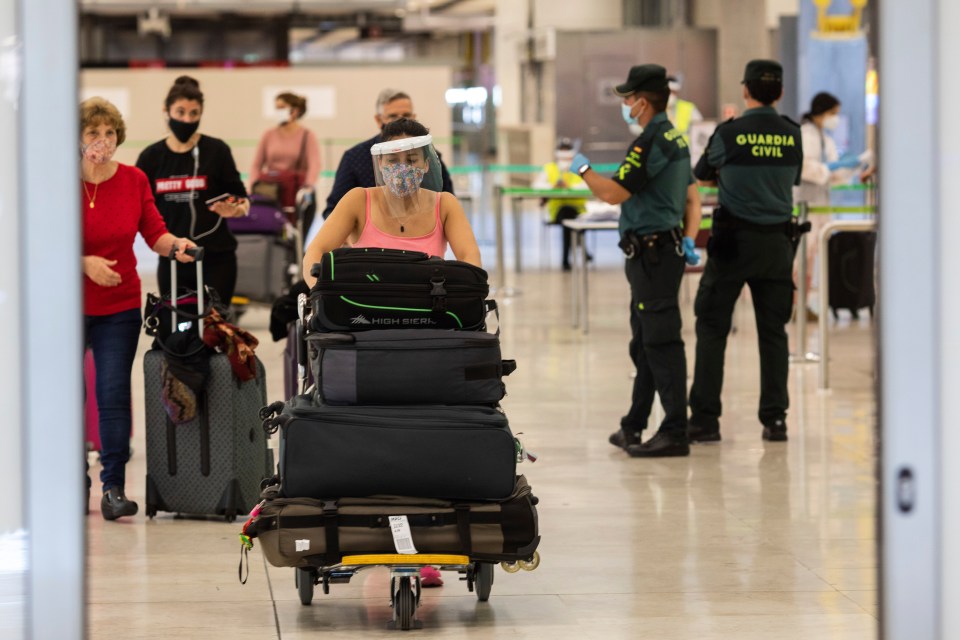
(851, 275)
(263, 218)
(214, 463)
(362, 289)
(302, 532)
(263, 267)
(408, 366)
(463, 452)
(91, 412)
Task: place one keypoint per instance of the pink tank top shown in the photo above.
(434, 243)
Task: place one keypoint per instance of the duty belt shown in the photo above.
(724, 220)
(633, 244)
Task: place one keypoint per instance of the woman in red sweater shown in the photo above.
(117, 203)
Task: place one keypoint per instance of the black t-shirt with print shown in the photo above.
(181, 179)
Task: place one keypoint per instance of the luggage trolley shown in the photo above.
(405, 586)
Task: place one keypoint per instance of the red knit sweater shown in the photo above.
(123, 206)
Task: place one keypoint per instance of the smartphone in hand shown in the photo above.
(220, 198)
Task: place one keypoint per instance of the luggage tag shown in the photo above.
(402, 538)
(523, 454)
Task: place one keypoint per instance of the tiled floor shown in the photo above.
(743, 539)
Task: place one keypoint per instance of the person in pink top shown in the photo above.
(400, 212)
(116, 205)
(288, 154)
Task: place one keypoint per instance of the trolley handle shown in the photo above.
(197, 254)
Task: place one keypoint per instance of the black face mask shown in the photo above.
(183, 130)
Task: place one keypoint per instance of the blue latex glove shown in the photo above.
(846, 162)
(690, 252)
(578, 161)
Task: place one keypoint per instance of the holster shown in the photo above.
(630, 245)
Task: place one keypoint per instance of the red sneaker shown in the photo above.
(430, 577)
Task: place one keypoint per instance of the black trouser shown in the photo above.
(763, 260)
(656, 347)
(219, 273)
(566, 213)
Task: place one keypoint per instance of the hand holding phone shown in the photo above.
(220, 198)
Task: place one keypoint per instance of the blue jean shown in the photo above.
(113, 340)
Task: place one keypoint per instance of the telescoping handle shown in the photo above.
(197, 254)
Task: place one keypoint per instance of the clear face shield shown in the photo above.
(407, 172)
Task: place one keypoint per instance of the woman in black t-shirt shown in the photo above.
(185, 170)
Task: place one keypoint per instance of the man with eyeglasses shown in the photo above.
(355, 169)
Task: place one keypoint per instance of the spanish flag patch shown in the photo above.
(638, 149)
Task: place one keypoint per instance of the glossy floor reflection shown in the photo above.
(742, 539)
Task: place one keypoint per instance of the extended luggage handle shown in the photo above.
(197, 254)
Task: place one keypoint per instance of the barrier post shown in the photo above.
(802, 356)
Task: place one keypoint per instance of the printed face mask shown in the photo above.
(99, 151)
(402, 179)
(183, 130)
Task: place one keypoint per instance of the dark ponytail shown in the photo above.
(821, 103)
(184, 88)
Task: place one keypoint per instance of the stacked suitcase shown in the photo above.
(403, 419)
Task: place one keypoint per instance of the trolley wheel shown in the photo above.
(151, 511)
(305, 580)
(405, 605)
(484, 580)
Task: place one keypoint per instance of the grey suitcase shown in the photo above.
(214, 464)
(408, 366)
(263, 263)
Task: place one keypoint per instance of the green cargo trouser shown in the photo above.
(656, 347)
(764, 262)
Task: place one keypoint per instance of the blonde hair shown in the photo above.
(96, 111)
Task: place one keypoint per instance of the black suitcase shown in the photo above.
(851, 276)
(408, 366)
(304, 532)
(466, 453)
(363, 289)
(215, 463)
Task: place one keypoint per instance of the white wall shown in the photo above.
(234, 103)
(593, 15)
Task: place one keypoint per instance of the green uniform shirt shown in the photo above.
(756, 159)
(656, 172)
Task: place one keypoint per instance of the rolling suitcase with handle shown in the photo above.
(213, 463)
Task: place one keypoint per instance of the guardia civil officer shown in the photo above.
(756, 159)
(658, 194)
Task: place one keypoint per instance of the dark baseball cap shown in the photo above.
(763, 70)
(643, 77)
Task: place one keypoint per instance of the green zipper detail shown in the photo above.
(373, 306)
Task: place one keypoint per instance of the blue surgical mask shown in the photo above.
(625, 109)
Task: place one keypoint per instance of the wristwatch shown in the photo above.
(582, 170)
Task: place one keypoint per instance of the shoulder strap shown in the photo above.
(301, 157)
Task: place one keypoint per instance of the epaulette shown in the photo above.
(725, 122)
